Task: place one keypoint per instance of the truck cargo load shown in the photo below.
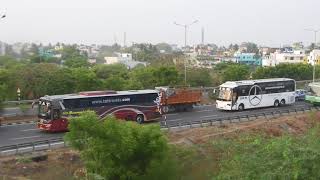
(178, 99)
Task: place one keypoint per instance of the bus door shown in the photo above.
(235, 96)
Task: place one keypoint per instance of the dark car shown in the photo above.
(300, 94)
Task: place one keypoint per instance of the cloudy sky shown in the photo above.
(266, 22)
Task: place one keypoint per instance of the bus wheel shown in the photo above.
(241, 107)
(282, 102)
(276, 103)
(140, 118)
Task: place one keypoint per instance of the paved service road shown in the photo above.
(23, 133)
(15, 134)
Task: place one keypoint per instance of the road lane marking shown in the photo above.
(206, 110)
(16, 124)
(25, 137)
(208, 116)
(174, 119)
(30, 130)
(172, 114)
(10, 114)
(300, 106)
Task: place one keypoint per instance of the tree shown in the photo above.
(236, 72)
(294, 71)
(115, 82)
(114, 149)
(3, 84)
(236, 47)
(251, 47)
(76, 62)
(165, 76)
(61, 82)
(32, 79)
(8, 62)
(144, 76)
(297, 45)
(106, 71)
(85, 80)
(73, 58)
(199, 77)
(164, 46)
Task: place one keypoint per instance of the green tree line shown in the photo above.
(49, 78)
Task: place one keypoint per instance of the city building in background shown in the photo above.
(248, 59)
(123, 58)
(284, 56)
(314, 57)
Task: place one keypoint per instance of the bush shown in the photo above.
(116, 149)
(258, 157)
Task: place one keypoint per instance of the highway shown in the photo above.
(24, 133)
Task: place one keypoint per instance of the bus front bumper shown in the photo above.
(46, 127)
(223, 105)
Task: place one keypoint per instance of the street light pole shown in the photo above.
(185, 26)
(315, 31)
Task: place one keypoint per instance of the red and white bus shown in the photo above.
(138, 105)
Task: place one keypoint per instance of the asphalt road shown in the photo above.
(24, 133)
(16, 111)
(211, 113)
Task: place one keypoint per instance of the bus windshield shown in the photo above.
(44, 110)
(225, 94)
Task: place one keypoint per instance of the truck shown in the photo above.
(313, 97)
(178, 99)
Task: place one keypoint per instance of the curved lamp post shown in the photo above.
(185, 26)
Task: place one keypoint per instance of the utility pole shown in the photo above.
(185, 26)
(202, 36)
(124, 39)
(315, 31)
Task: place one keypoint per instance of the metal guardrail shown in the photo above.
(167, 125)
(17, 102)
(59, 142)
(32, 146)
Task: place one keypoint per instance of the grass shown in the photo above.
(24, 107)
(24, 159)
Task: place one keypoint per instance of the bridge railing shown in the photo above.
(32, 146)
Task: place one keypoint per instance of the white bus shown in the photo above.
(247, 94)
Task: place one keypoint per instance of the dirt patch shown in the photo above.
(296, 125)
(61, 164)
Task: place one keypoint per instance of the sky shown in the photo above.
(265, 22)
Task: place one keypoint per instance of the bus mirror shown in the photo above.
(32, 105)
(214, 91)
